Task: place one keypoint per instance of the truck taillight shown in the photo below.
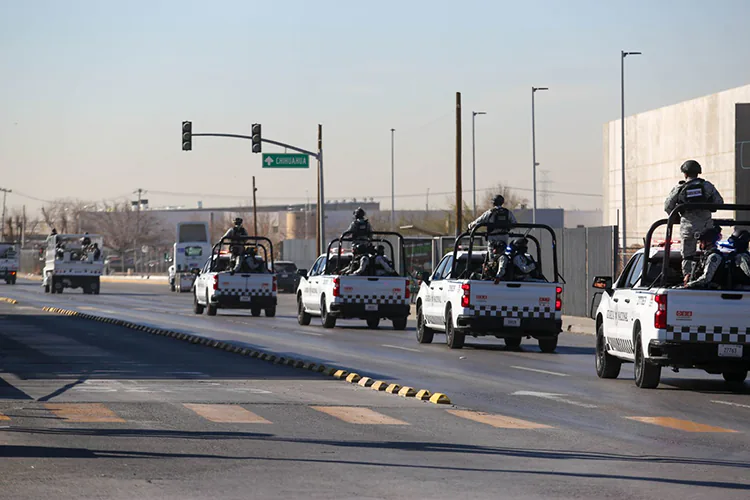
(274, 282)
(336, 287)
(660, 317)
(216, 281)
(558, 298)
(466, 297)
(407, 294)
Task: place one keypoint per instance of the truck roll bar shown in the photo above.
(244, 240)
(347, 236)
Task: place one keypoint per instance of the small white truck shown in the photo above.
(72, 261)
(188, 253)
(325, 292)
(8, 263)
(218, 286)
(647, 318)
(450, 302)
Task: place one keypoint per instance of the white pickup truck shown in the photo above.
(451, 303)
(217, 286)
(325, 292)
(8, 263)
(647, 318)
(70, 261)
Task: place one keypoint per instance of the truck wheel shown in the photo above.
(454, 339)
(271, 312)
(46, 288)
(512, 342)
(399, 324)
(548, 344)
(607, 366)
(255, 311)
(94, 287)
(735, 377)
(210, 308)
(197, 308)
(424, 333)
(647, 375)
(172, 288)
(373, 322)
(57, 286)
(178, 287)
(327, 320)
(302, 317)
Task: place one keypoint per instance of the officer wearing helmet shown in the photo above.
(383, 265)
(739, 259)
(524, 265)
(360, 260)
(236, 231)
(235, 235)
(360, 228)
(496, 262)
(498, 220)
(708, 272)
(692, 190)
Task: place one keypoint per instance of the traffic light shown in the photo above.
(256, 137)
(187, 136)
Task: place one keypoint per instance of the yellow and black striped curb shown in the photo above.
(331, 371)
(8, 300)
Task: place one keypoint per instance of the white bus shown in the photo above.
(191, 249)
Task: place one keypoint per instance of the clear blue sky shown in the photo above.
(93, 92)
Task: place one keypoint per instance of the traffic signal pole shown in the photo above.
(320, 243)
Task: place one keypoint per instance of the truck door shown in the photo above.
(436, 303)
(311, 289)
(625, 299)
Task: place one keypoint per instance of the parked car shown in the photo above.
(286, 276)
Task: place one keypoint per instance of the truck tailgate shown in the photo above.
(708, 315)
(245, 284)
(373, 289)
(514, 299)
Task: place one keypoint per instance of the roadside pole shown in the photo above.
(321, 195)
(459, 199)
(255, 210)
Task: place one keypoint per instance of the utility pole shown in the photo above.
(459, 199)
(139, 192)
(23, 228)
(5, 194)
(474, 162)
(255, 210)
(533, 152)
(623, 55)
(321, 195)
(393, 183)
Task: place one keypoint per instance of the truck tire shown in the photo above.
(512, 342)
(178, 286)
(424, 333)
(197, 308)
(57, 286)
(270, 312)
(325, 318)
(454, 339)
(607, 366)
(93, 287)
(399, 323)
(548, 344)
(52, 285)
(210, 308)
(737, 377)
(647, 375)
(302, 317)
(47, 288)
(373, 322)
(172, 288)
(255, 311)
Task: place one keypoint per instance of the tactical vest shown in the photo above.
(721, 275)
(499, 219)
(361, 228)
(693, 191)
(732, 270)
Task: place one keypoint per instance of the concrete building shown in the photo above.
(714, 130)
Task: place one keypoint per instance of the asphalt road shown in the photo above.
(574, 436)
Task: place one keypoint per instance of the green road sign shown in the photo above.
(285, 160)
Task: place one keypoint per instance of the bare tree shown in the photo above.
(64, 214)
(513, 200)
(265, 228)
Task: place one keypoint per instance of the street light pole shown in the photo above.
(474, 162)
(623, 55)
(393, 182)
(5, 194)
(533, 151)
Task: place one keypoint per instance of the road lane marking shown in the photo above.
(4, 417)
(314, 334)
(499, 421)
(730, 403)
(234, 414)
(355, 415)
(553, 397)
(540, 371)
(401, 348)
(682, 425)
(83, 412)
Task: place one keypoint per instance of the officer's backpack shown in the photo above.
(693, 191)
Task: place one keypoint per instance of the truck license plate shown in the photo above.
(371, 307)
(512, 322)
(245, 299)
(730, 351)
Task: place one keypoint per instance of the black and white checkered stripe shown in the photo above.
(701, 333)
(70, 272)
(244, 292)
(374, 299)
(512, 311)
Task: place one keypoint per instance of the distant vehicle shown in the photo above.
(8, 263)
(217, 286)
(68, 263)
(647, 318)
(189, 252)
(328, 293)
(453, 302)
(286, 276)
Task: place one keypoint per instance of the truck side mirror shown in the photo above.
(424, 276)
(602, 283)
(302, 272)
(196, 271)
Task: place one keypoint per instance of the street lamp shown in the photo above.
(393, 183)
(533, 151)
(623, 55)
(474, 161)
